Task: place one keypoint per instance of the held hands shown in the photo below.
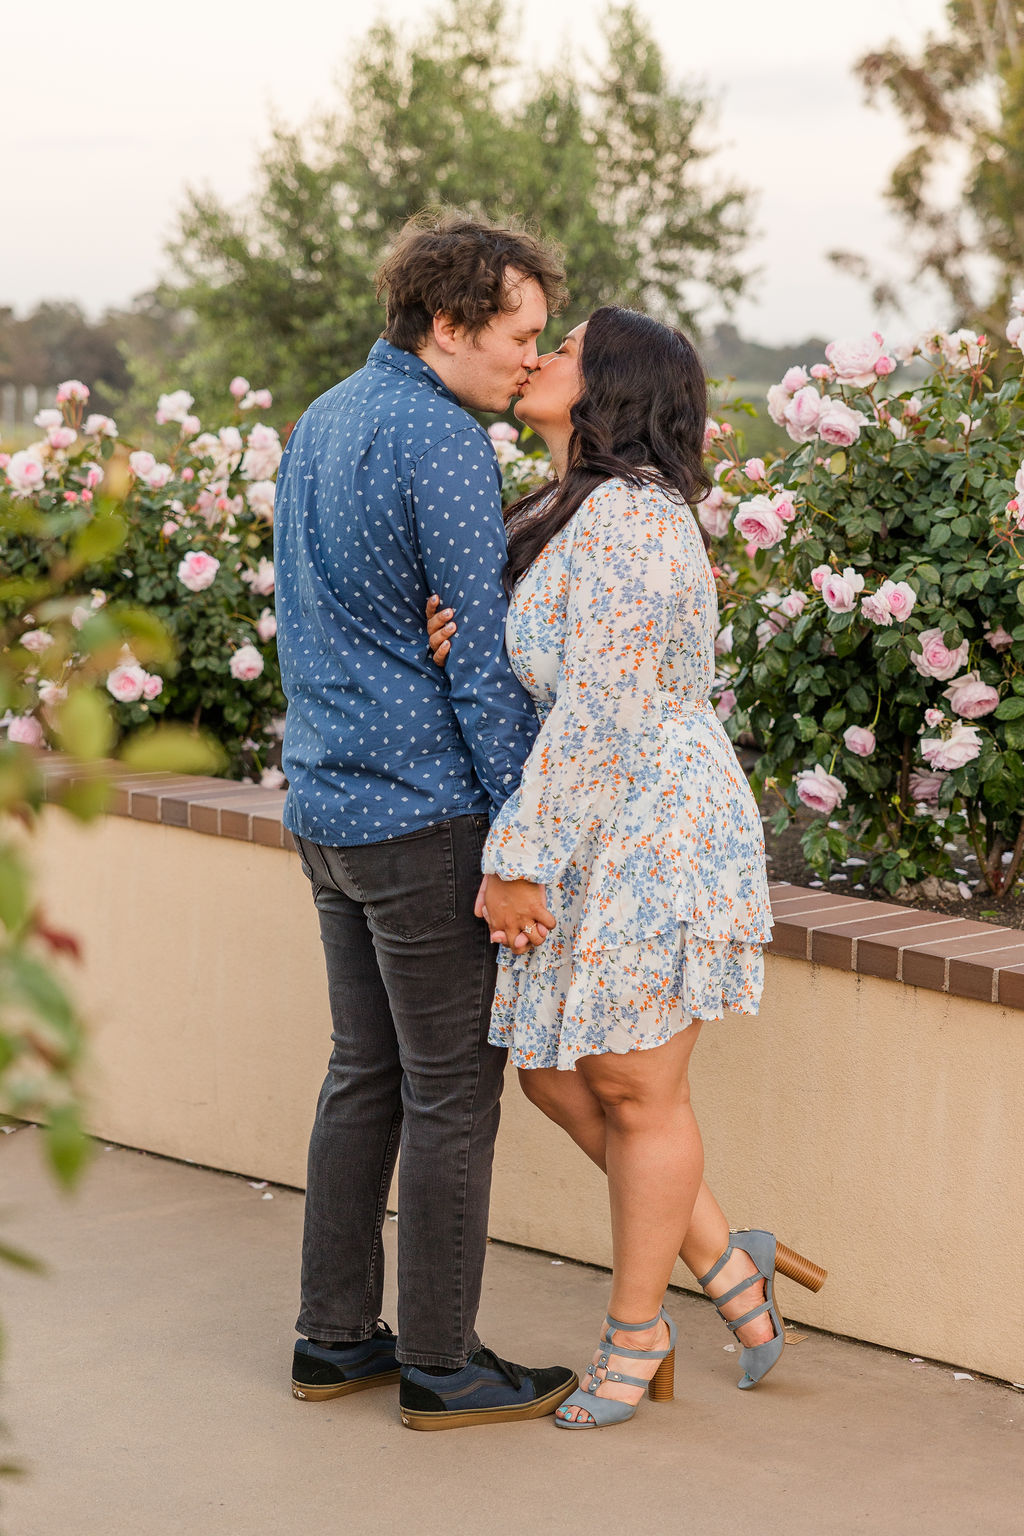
(516, 911)
(440, 630)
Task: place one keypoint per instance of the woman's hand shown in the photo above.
(516, 911)
(440, 629)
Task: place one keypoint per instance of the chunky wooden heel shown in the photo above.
(788, 1262)
(662, 1385)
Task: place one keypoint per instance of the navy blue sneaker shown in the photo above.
(319, 1372)
(486, 1391)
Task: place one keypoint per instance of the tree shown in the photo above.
(963, 91)
(611, 166)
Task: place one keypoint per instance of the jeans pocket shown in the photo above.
(412, 890)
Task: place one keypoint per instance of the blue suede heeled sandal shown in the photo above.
(768, 1255)
(608, 1410)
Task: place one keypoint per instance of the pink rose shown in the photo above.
(793, 379)
(715, 512)
(723, 641)
(47, 419)
(36, 640)
(260, 496)
(824, 372)
(726, 704)
(961, 746)
(262, 453)
(174, 407)
(272, 778)
(141, 462)
(190, 426)
(72, 390)
(153, 686)
(925, 786)
(711, 431)
(197, 570)
(874, 608)
(754, 469)
(818, 576)
(1015, 332)
(860, 740)
(970, 697)
(51, 694)
(793, 604)
(61, 438)
(854, 358)
(93, 474)
(933, 717)
(778, 404)
(840, 592)
(912, 408)
(839, 425)
(802, 414)
(266, 625)
(158, 476)
(1017, 302)
(246, 664)
(819, 791)
(261, 580)
(885, 366)
(935, 659)
(25, 472)
(999, 639)
(26, 730)
(169, 528)
(502, 432)
(759, 523)
(100, 426)
(785, 505)
(127, 683)
(262, 399)
(238, 386)
(899, 598)
(1018, 479)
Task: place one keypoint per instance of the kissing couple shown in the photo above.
(524, 827)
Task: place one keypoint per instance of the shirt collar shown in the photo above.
(384, 355)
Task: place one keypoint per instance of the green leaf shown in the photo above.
(98, 540)
(15, 895)
(172, 749)
(837, 463)
(67, 1145)
(1010, 709)
(29, 979)
(20, 1260)
(84, 725)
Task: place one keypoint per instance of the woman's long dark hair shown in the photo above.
(643, 407)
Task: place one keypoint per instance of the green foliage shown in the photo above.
(612, 166)
(919, 500)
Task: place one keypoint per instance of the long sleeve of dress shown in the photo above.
(633, 564)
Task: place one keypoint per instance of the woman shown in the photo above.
(636, 824)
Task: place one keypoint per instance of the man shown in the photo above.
(388, 492)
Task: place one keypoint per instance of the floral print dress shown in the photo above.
(632, 809)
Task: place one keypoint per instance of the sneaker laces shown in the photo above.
(516, 1374)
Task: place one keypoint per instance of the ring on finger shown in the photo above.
(528, 929)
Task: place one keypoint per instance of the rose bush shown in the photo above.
(874, 639)
(196, 555)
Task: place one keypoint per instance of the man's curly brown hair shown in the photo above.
(445, 263)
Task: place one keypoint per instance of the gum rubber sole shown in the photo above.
(538, 1409)
(343, 1388)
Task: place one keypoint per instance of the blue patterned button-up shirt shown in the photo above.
(389, 491)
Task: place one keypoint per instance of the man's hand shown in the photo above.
(516, 912)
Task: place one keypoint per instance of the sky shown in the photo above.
(125, 107)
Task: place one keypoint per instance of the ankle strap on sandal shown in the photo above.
(615, 1326)
(704, 1280)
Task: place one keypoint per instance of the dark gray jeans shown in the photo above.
(410, 973)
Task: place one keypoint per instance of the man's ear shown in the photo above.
(446, 332)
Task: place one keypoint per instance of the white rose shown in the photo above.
(262, 453)
(174, 407)
(260, 496)
(246, 664)
(25, 472)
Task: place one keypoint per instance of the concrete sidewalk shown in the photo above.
(146, 1389)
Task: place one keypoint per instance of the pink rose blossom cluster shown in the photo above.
(129, 683)
(839, 591)
(72, 392)
(715, 512)
(26, 730)
(819, 790)
(144, 467)
(262, 453)
(176, 407)
(893, 600)
(261, 580)
(859, 361)
(762, 519)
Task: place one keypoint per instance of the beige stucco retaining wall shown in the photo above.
(876, 1126)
